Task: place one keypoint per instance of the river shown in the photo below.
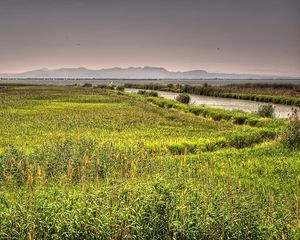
(281, 111)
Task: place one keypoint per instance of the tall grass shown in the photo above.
(89, 163)
(83, 190)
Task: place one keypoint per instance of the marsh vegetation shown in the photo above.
(94, 163)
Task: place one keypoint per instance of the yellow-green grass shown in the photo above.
(38, 118)
(84, 163)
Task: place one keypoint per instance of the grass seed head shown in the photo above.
(29, 180)
(19, 166)
(27, 163)
(38, 171)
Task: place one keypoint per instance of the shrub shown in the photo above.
(87, 85)
(148, 94)
(266, 111)
(152, 94)
(291, 135)
(100, 86)
(183, 98)
(240, 120)
(141, 92)
(109, 87)
(120, 88)
(252, 121)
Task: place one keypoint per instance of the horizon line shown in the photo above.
(148, 66)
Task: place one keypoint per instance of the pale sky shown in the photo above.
(232, 36)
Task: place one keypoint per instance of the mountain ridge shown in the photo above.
(146, 72)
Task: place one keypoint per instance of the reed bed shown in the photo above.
(90, 163)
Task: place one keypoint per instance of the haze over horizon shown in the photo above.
(250, 37)
(146, 72)
(141, 68)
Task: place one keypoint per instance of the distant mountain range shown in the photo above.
(131, 73)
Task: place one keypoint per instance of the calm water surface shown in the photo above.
(281, 111)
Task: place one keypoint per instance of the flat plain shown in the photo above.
(92, 163)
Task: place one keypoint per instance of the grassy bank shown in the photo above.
(225, 92)
(284, 90)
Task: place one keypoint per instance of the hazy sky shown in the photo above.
(242, 36)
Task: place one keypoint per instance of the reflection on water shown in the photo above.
(281, 111)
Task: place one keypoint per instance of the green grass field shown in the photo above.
(89, 163)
